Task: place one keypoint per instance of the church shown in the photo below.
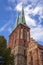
(25, 49)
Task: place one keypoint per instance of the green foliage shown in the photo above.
(9, 59)
(6, 52)
(2, 45)
(2, 42)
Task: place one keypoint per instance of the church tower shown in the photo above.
(19, 39)
(25, 49)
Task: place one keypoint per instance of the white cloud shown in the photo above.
(34, 2)
(19, 7)
(37, 33)
(38, 7)
(3, 27)
(28, 10)
(10, 29)
(30, 22)
(38, 10)
(41, 13)
(40, 3)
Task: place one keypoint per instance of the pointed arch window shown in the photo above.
(21, 36)
(27, 36)
(18, 34)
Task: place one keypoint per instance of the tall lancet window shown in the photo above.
(21, 36)
(14, 40)
(27, 36)
(18, 34)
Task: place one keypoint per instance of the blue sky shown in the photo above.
(33, 10)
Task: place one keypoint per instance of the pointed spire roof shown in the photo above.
(16, 23)
(17, 20)
(21, 19)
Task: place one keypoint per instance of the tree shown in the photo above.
(2, 42)
(3, 45)
(5, 53)
(9, 58)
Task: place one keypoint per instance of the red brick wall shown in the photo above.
(15, 37)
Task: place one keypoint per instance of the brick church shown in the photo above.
(25, 49)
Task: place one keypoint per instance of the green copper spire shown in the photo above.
(16, 23)
(22, 18)
(17, 20)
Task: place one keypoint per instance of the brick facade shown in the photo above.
(25, 49)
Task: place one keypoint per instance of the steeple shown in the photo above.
(21, 19)
(17, 20)
(16, 23)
